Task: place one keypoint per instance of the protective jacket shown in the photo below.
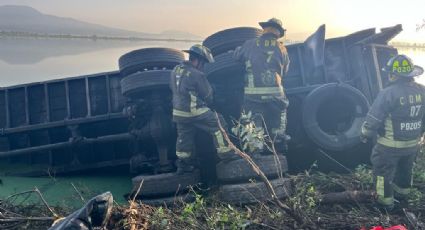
(396, 115)
(191, 91)
(266, 61)
(191, 94)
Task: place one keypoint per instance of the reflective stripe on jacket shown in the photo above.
(191, 91)
(266, 62)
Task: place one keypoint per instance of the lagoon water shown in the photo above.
(30, 60)
(24, 60)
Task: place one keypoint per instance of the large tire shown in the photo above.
(170, 201)
(146, 80)
(148, 59)
(240, 171)
(165, 184)
(229, 39)
(224, 66)
(333, 114)
(254, 192)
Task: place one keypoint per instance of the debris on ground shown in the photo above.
(308, 200)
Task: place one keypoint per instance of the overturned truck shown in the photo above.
(99, 131)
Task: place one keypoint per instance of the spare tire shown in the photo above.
(148, 59)
(223, 66)
(229, 39)
(239, 170)
(164, 184)
(146, 80)
(333, 114)
(254, 192)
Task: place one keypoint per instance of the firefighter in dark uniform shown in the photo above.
(191, 95)
(266, 62)
(396, 118)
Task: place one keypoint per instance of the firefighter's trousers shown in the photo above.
(392, 169)
(186, 130)
(271, 111)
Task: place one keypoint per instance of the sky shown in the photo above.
(201, 17)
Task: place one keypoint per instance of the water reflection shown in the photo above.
(24, 60)
(18, 51)
(31, 60)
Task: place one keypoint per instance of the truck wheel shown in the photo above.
(149, 59)
(224, 66)
(253, 192)
(229, 39)
(136, 83)
(240, 171)
(165, 184)
(333, 114)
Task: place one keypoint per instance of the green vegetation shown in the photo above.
(308, 200)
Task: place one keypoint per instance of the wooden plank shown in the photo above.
(108, 93)
(7, 108)
(64, 123)
(88, 97)
(27, 110)
(68, 104)
(46, 95)
(61, 145)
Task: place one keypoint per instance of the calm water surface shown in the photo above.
(31, 60)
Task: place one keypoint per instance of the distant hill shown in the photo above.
(26, 19)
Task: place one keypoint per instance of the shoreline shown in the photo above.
(408, 45)
(5, 34)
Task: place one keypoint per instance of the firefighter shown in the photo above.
(191, 95)
(266, 63)
(395, 119)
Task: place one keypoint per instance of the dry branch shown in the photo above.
(262, 176)
(347, 197)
